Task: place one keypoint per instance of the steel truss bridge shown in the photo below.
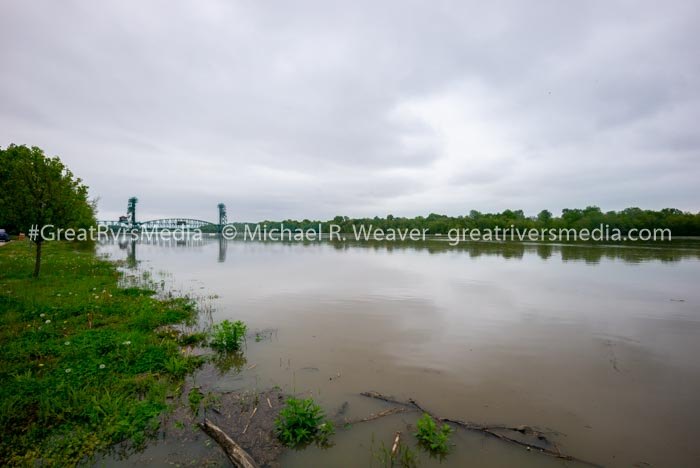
(129, 222)
(166, 223)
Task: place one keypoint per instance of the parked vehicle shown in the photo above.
(4, 237)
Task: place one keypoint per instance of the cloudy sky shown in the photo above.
(312, 109)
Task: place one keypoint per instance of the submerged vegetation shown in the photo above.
(433, 438)
(400, 455)
(302, 422)
(82, 366)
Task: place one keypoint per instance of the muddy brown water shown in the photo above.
(598, 345)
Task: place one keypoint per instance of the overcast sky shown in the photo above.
(312, 109)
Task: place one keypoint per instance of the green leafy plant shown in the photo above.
(301, 422)
(228, 336)
(435, 440)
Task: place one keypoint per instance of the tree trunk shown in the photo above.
(37, 261)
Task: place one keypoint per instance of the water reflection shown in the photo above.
(223, 244)
(229, 361)
(591, 254)
(597, 342)
(130, 247)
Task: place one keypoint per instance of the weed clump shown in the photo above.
(301, 422)
(228, 336)
(435, 440)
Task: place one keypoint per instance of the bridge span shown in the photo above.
(129, 221)
(165, 223)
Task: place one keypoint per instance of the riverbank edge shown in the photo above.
(83, 364)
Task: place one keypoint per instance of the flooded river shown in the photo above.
(599, 346)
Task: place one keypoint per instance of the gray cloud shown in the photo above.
(312, 109)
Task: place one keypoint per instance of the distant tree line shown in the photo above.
(680, 223)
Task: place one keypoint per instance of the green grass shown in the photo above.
(81, 365)
(301, 422)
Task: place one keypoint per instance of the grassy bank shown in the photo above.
(82, 366)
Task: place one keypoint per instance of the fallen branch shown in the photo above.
(492, 431)
(543, 441)
(239, 457)
(341, 411)
(373, 416)
(388, 399)
(420, 408)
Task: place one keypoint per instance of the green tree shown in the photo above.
(544, 217)
(36, 190)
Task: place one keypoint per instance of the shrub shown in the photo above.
(228, 336)
(301, 422)
(434, 439)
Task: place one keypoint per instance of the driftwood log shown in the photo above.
(525, 436)
(239, 457)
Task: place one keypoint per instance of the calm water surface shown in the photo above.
(600, 345)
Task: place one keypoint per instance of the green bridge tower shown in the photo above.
(222, 216)
(131, 210)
